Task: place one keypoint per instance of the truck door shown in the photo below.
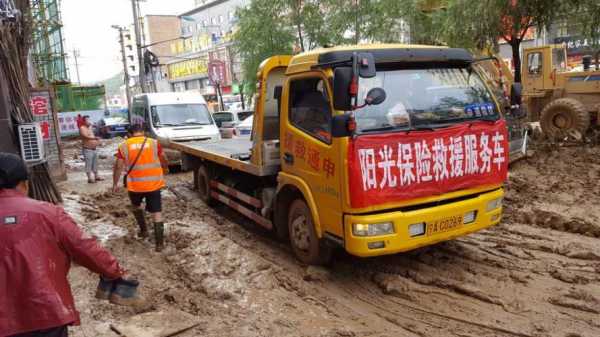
(533, 71)
(308, 150)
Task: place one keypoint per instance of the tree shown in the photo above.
(271, 27)
(261, 33)
(425, 19)
(485, 22)
(358, 21)
(587, 18)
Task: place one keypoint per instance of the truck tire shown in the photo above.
(564, 117)
(202, 182)
(306, 245)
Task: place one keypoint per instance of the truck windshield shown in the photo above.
(425, 98)
(221, 117)
(180, 114)
(559, 59)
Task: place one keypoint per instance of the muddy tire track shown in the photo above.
(536, 274)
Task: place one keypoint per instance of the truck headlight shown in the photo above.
(494, 204)
(359, 229)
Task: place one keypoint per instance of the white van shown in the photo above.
(174, 117)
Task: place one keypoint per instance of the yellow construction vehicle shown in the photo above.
(500, 80)
(377, 149)
(565, 102)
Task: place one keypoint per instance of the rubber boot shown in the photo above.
(125, 292)
(141, 220)
(104, 289)
(159, 235)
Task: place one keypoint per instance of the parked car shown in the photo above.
(112, 126)
(227, 120)
(244, 129)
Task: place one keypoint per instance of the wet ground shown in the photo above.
(536, 274)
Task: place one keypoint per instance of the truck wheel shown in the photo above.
(202, 182)
(565, 117)
(303, 237)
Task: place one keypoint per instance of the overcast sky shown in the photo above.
(87, 28)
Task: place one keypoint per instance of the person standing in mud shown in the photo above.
(144, 163)
(38, 241)
(89, 144)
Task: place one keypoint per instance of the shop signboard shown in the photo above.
(193, 67)
(577, 45)
(216, 72)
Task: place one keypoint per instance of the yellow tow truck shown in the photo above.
(377, 149)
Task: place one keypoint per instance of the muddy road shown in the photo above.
(536, 274)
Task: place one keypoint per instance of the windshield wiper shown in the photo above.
(423, 127)
(472, 119)
(194, 123)
(381, 128)
(165, 124)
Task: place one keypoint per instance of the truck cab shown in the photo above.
(378, 149)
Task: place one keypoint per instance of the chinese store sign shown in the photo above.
(68, 123)
(41, 109)
(186, 68)
(401, 166)
(40, 105)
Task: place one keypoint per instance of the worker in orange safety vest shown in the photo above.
(145, 165)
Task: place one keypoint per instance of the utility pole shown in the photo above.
(125, 70)
(234, 79)
(138, 42)
(75, 56)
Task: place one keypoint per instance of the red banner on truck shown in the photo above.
(407, 165)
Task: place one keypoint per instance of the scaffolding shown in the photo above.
(47, 53)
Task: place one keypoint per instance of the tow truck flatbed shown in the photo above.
(234, 153)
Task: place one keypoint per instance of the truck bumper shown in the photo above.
(432, 217)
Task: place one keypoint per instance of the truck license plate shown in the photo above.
(444, 225)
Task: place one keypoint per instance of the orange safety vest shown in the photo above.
(147, 174)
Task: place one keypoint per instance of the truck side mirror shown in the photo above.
(342, 125)
(516, 94)
(342, 78)
(154, 118)
(366, 65)
(375, 96)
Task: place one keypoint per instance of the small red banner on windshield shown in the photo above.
(398, 166)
